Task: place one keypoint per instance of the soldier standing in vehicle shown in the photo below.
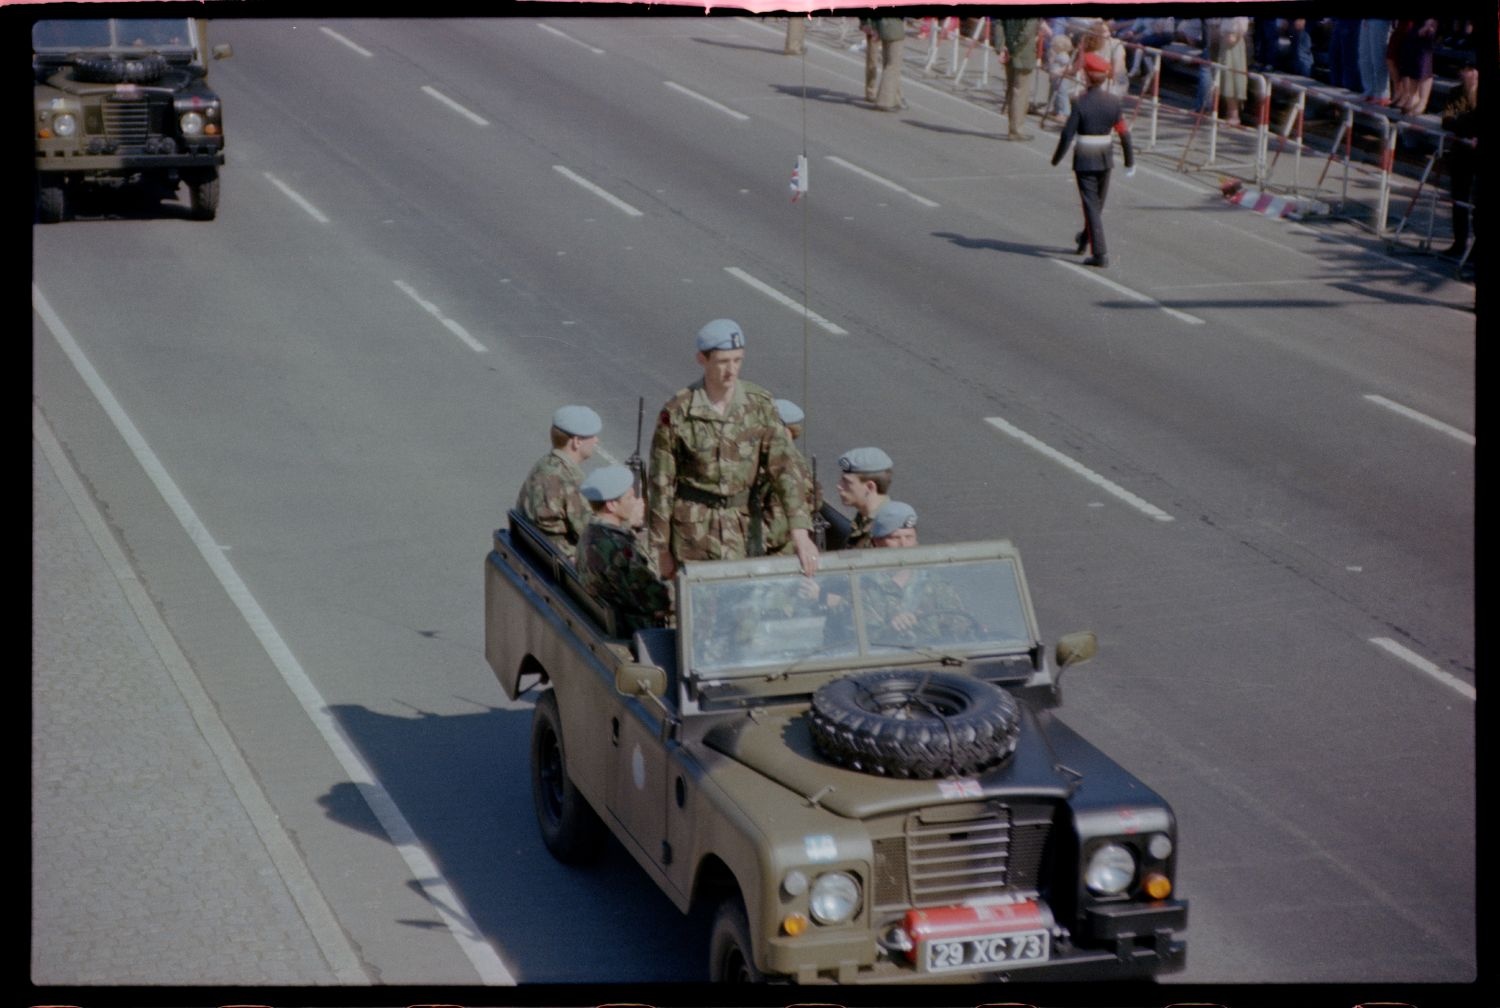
(549, 498)
(770, 531)
(613, 564)
(716, 442)
(1095, 118)
(864, 484)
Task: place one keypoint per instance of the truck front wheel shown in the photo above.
(730, 958)
(51, 202)
(570, 828)
(203, 194)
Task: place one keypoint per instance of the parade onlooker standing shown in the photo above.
(1095, 119)
(1060, 81)
(1227, 46)
(1374, 72)
(1343, 54)
(891, 34)
(1020, 70)
(1461, 118)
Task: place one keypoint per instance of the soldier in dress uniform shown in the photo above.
(549, 497)
(770, 530)
(613, 563)
(1096, 117)
(716, 442)
(864, 484)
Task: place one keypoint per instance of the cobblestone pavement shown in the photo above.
(152, 860)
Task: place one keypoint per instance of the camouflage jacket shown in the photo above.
(770, 528)
(706, 467)
(859, 531)
(550, 498)
(617, 570)
(930, 597)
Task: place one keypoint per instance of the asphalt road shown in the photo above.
(1244, 456)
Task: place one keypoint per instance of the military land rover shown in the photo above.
(125, 102)
(850, 792)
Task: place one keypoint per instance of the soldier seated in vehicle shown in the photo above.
(908, 605)
(613, 563)
(549, 497)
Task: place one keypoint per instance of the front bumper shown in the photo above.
(103, 163)
(1120, 942)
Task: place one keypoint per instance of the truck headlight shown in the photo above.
(64, 125)
(834, 898)
(192, 124)
(1110, 869)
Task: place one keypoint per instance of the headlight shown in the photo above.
(835, 897)
(1110, 870)
(64, 125)
(192, 124)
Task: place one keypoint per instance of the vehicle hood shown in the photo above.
(779, 745)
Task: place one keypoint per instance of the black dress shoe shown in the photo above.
(1101, 261)
(1081, 239)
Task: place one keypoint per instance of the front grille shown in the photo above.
(128, 123)
(949, 855)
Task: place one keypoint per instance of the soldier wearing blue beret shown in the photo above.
(717, 443)
(549, 497)
(864, 484)
(770, 526)
(613, 564)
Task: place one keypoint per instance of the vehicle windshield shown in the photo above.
(116, 34)
(747, 627)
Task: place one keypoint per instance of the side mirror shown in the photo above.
(1076, 648)
(635, 680)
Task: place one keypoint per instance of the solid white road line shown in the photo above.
(439, 894)
(293, 871)
(565, 35)
(1098, 276)
(448, 323)
(856, 169)
(780, 298)
(312, 211)
(339, 38)
(1423, 418)
(474, 117)
(608, 197)
(1418, 662)
(706, 100)
(1075, 466)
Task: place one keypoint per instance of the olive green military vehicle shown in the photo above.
(124, 102)
(858, 776)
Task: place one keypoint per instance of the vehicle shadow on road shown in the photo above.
(463, 784)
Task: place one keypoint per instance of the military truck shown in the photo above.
(124, 102)
(857, 777)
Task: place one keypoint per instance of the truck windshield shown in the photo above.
(115, 34)
(744, 627)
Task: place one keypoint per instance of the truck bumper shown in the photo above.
(120, 163)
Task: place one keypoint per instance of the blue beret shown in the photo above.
(892, 515)
(789, 411)
(864, 460)
(606, 483)
(721, 334)
(579, 421)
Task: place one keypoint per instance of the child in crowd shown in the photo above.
(1059, 62)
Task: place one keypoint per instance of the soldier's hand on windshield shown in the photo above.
(807, 551)
(903, 621)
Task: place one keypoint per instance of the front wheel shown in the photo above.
(203, 194)
(51, 202)
(570, 828)
(730, 953)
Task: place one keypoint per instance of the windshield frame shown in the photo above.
(117, 29)
(698, 581)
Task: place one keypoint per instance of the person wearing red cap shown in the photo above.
(1095, 117)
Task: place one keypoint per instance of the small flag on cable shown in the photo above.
(799, 176)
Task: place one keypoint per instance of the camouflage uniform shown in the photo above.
(859, 531)
(616, 570)
(939, 608)
(550, 499)
(705, 467)
(770, 528)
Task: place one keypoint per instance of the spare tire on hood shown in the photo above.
(119, 69)
(917, 724)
